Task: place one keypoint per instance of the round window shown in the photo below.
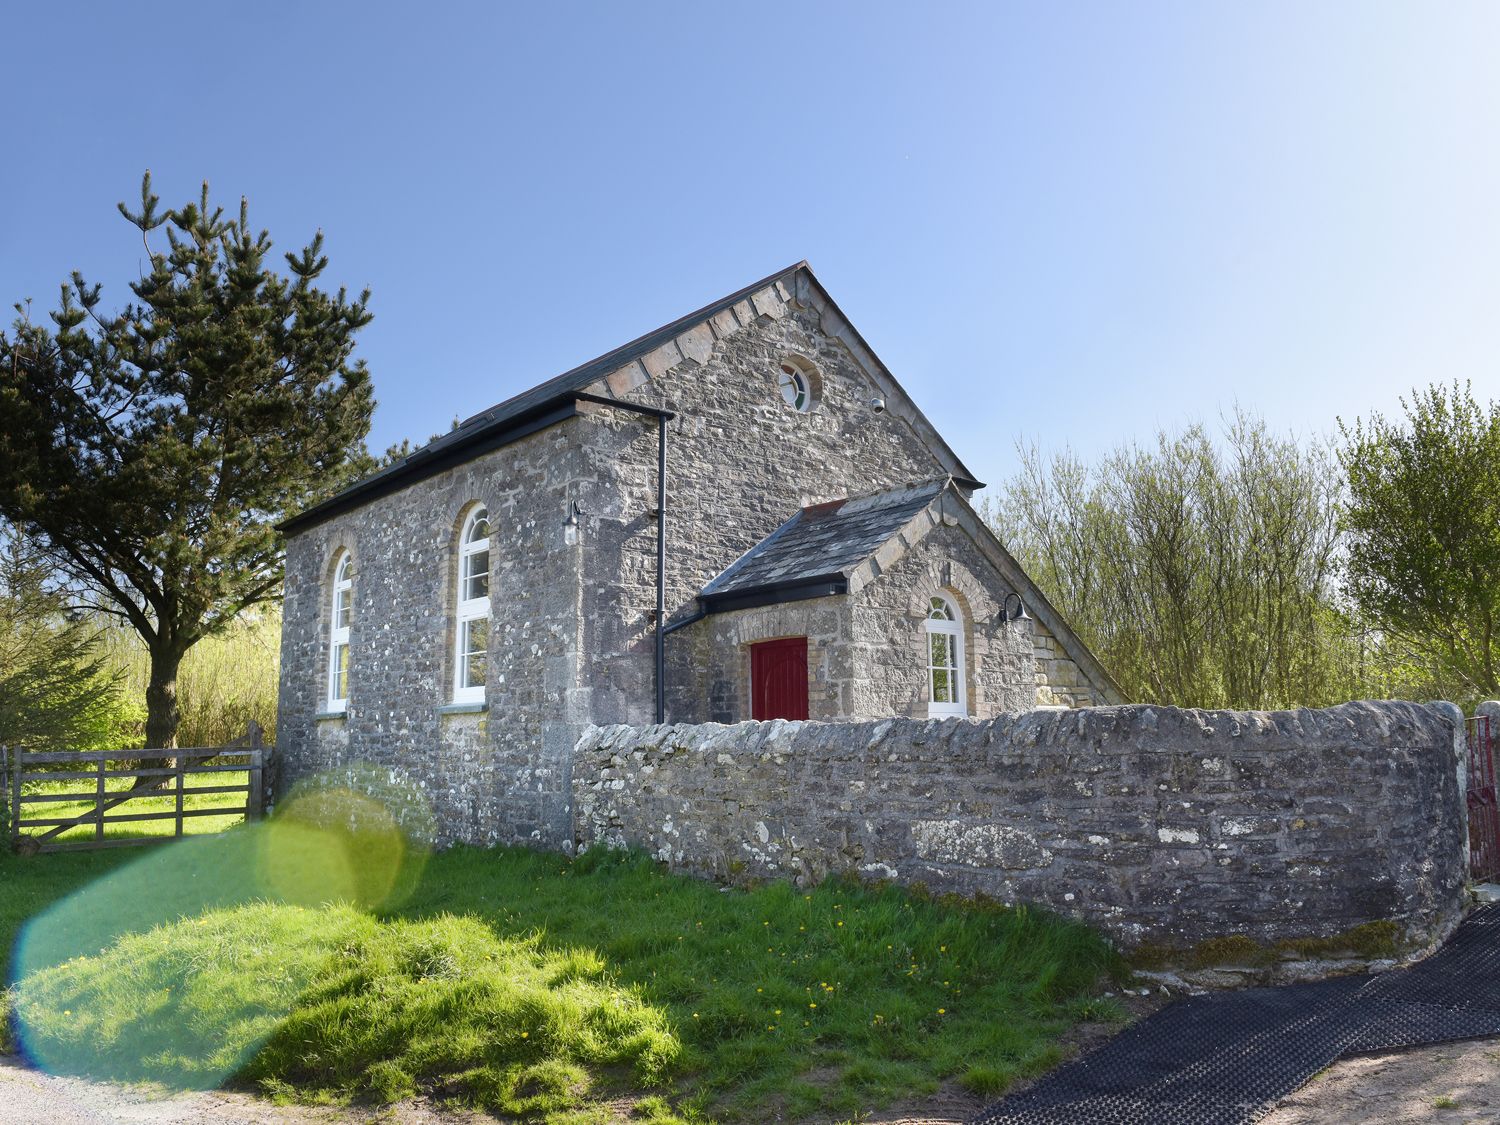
(793, 387)
(798, 383)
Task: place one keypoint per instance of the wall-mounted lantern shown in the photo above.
(1013, 608)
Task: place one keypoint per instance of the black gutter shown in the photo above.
(773, 593)
(662, 418)
(618, 404)
(682, 623)
(418, 467)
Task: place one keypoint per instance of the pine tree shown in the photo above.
(151, 451)
(54, 692)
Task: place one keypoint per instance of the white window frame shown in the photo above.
(470, 609)
(952, 627)
(338, 633)
(792, 380)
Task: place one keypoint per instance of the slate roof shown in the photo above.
(550, 402)
(586, 374)
(527, 407)
(822, 544)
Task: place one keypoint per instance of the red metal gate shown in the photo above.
(778, 679)
(1484, 815)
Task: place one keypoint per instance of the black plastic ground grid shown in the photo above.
(1225, 1058)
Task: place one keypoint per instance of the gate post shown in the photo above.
(6, 816)
(17, 759)
(1460, 724)
(255, 803)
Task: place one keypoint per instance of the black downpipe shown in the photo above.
(661, 568)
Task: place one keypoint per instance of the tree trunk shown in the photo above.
(162, 718)
(162, 714)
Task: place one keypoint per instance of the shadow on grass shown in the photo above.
(825, 1001)
(327, 1003)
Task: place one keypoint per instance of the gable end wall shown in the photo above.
(739, 463)
(890, 657)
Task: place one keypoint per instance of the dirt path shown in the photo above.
(1451, 1082)
(28, 1097)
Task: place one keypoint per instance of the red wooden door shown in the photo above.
(778, 679)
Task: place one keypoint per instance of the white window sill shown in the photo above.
(463, 708)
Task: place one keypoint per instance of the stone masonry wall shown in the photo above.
(740, 462)
(1160, 825)
(1059, 680)
(497, 773)
(710, 665)
(889, 616)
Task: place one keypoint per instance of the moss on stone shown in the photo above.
(1231, 949)
(1369, 940)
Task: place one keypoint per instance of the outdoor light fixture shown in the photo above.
(1020, 613)
(570, 525)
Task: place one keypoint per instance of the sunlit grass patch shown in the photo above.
(333, 1004)
(818, 1002)
(808, 1004)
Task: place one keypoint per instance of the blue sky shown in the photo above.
(1060, 223)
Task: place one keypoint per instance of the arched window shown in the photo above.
(471, 635)
(338, 646)
(945, 659)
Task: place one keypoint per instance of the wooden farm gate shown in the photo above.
(1481, 795)
(247, 755)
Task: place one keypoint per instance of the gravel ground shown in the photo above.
(1457, 1083)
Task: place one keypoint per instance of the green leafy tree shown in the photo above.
(55, 693)
(1202, 572)
(1423, 523)
(150, 451)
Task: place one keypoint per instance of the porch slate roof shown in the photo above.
(822, 544)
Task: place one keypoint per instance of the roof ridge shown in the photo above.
(897, 495)
(522, 409)
(609, 359)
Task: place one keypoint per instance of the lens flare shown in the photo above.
(146, 939)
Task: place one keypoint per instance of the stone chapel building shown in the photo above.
(738, 516)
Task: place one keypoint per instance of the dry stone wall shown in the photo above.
(1163, 826)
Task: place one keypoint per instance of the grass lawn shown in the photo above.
(539, 986)
(165, 802)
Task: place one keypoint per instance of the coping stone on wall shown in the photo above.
(1161, 825)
